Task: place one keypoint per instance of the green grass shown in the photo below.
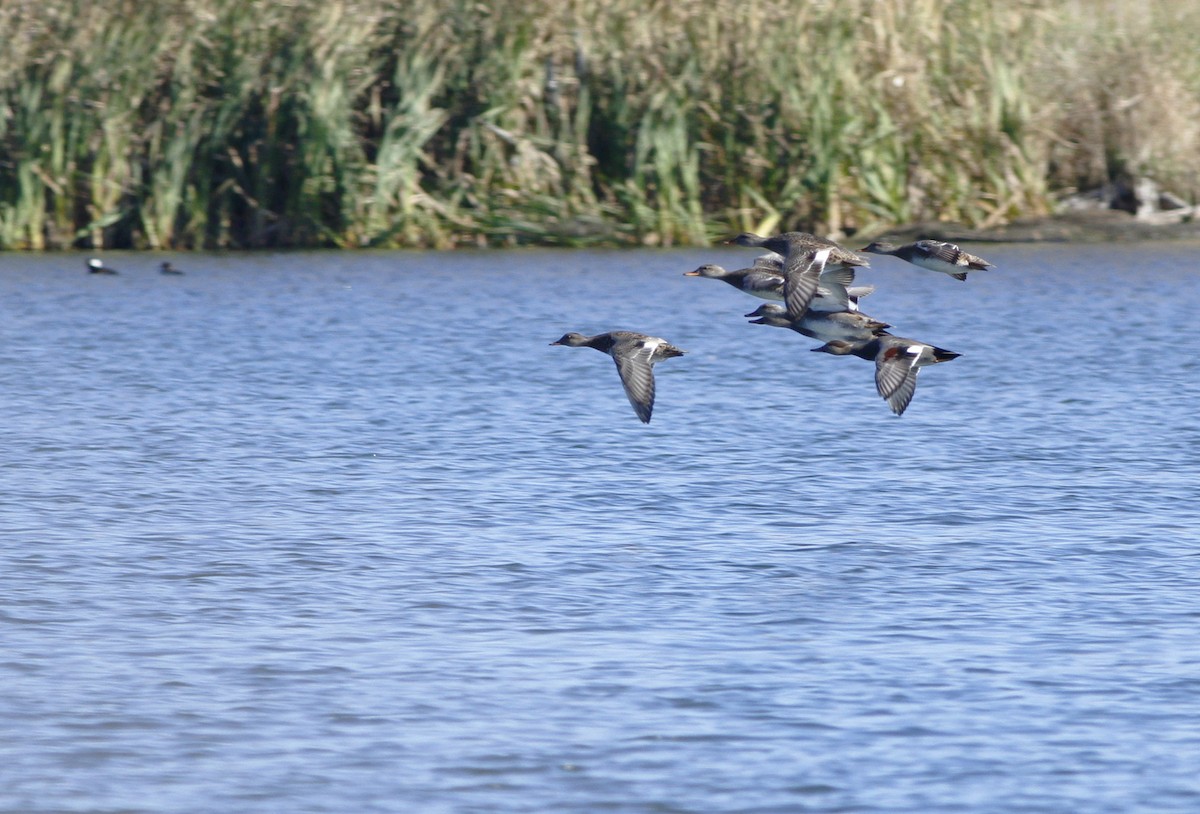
(254, 123)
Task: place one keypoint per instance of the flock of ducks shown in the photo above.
(813, 278)
(96, 266)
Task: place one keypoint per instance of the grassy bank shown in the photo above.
(246, 123)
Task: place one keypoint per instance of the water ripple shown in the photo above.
(277, 540)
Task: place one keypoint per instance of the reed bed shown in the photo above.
(253, 123)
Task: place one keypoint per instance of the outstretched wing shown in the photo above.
(896, 376)
(802, 275)
(763, 283)
(952, 254)
(840, 275)
(892, 367)
(903, 393)
(637, 375)
(855, 293)
(937, 250)
(769, 262)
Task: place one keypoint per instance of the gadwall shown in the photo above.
(765, 280)
(897, 362)
(934, 255)
(635, 355)
(805, 256)
(825, 326)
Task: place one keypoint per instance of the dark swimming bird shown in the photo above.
(635, 355)
(96, 266)
(826, 326)
(897, 362)
(167, 268)
(935, 256)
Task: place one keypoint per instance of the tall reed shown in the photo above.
(246, 123)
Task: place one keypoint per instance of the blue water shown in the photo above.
(342, 533)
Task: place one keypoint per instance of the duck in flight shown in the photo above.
(805, 259)
(825, 326)
(765, 280)
(934, 255)
(635, 355)
(897, 362)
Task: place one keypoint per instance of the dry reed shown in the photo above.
(247, 123)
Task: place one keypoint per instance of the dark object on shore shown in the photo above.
(1141, 197)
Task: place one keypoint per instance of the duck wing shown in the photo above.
(838, 275)
(769, 262)
(903, 393)
(636, 368)
(763, 283)
(893, 365)
(802, 277)
(937, 250)
(951, 253)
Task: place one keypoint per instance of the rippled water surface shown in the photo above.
(342, 533)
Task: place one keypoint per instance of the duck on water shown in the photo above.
(96, 266)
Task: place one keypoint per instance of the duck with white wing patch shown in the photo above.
(635, 355)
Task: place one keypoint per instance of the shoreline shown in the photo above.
(1089, 226)
(1081, 226)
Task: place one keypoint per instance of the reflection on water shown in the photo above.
(334, 532)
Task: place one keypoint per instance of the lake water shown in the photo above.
(340, 532)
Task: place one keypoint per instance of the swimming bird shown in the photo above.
(897, 362)
(635, 355)
(826, 326)
(167, 268)
(96, 266)
(934, 255)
